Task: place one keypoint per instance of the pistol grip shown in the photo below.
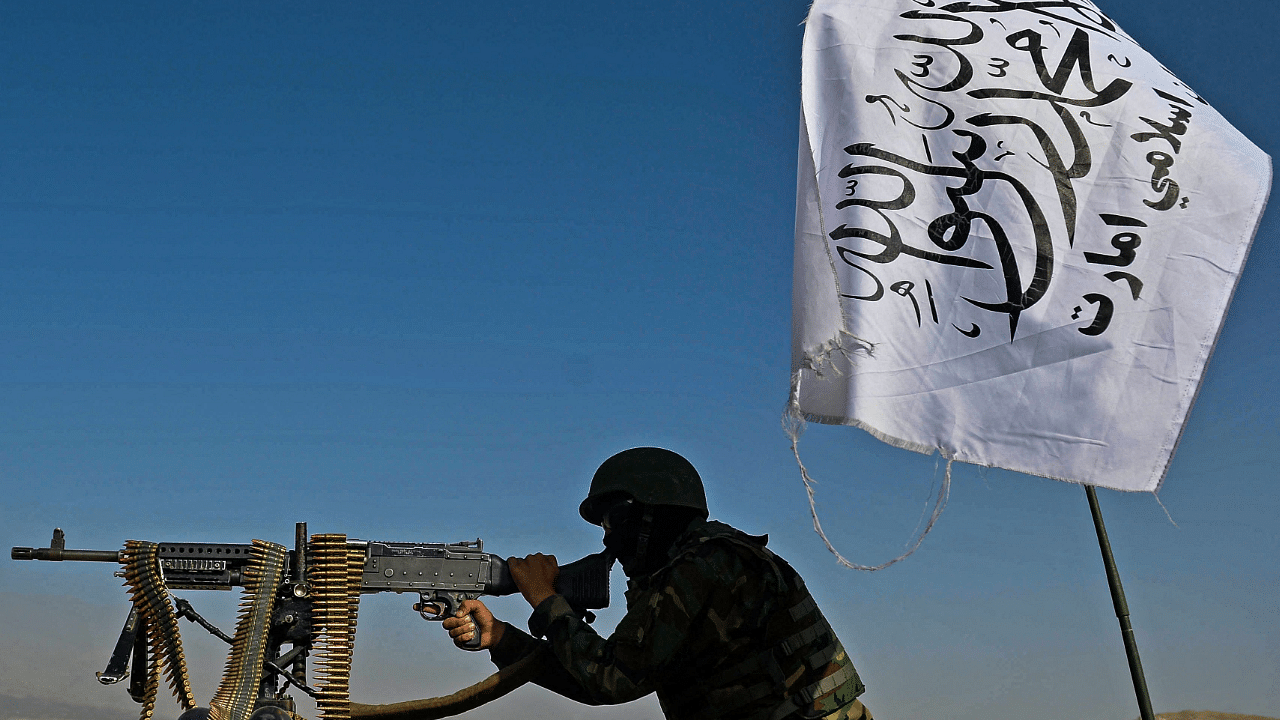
(448, 603)
(472, 644)
(451, 602)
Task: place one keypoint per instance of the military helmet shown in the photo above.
(648, 475)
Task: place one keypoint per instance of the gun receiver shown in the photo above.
(446, 574)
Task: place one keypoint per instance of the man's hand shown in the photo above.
(473, 617)
(535, 575)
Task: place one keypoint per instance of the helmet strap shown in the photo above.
(642, 541)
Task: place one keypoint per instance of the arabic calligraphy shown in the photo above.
(1011, 96)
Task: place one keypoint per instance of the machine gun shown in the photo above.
(308, 598)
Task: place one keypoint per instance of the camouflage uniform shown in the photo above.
(725, 630)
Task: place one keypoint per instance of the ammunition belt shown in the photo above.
(243, 674)
(145, 580)
(334, 573)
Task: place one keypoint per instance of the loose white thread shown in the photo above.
(793, 423)
(1156, 495)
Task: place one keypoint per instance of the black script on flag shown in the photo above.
(1009, 99)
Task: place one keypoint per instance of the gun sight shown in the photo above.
(57, 550)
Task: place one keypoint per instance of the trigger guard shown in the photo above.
(446, 608)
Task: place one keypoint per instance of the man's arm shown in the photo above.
(642, 649)
(507, 644)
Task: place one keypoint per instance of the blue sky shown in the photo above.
(411, 271)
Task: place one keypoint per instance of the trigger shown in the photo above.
(433, 610)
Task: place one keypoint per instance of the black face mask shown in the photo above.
(641, 536)
(623, 526)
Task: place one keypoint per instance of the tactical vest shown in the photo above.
(799, 666)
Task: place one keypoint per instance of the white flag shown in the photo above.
(1033, 224)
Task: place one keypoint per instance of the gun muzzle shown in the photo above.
(57, 554)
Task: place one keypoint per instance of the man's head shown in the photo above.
(644, 498)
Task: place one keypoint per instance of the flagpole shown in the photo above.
(1122, 608)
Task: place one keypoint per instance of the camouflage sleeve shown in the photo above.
(591, 661)
(633, 661)
(516, 644)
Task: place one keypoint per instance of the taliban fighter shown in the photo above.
(716, 624)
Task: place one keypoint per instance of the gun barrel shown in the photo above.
(56, 554)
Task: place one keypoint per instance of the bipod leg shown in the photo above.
(118, 665)
(141, 675)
